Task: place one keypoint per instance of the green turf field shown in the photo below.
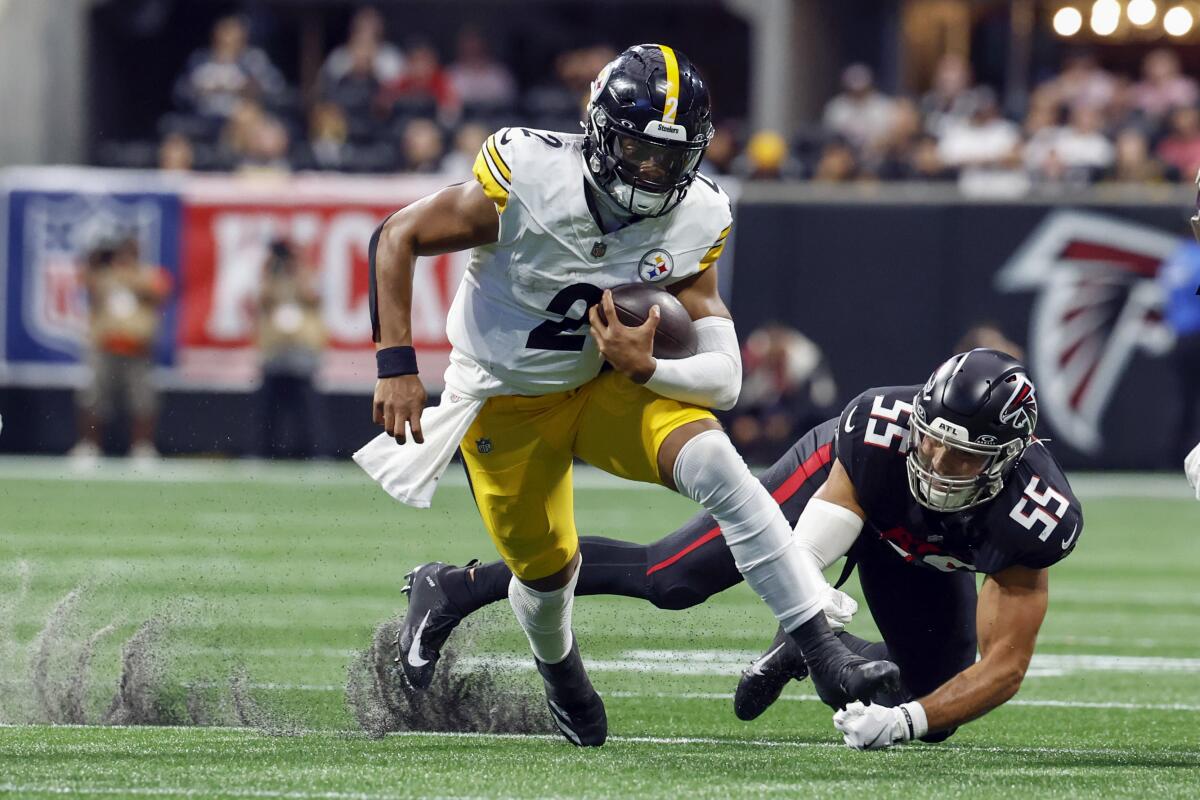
(264, 581)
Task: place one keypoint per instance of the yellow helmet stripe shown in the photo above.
(671, 105)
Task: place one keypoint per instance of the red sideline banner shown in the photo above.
(213, 233)
(225, 238)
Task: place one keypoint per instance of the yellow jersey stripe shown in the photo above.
(495, 153)
(710, 258)
(492, 186)
(671, 104)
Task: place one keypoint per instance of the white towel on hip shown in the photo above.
(410, 472)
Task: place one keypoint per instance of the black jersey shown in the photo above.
(1035, 521)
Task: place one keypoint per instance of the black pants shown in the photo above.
(927, 618)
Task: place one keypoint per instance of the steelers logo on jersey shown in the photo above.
(655, 266)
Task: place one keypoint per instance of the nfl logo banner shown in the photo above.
(48, 235)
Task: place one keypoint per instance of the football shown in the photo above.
(676, 336)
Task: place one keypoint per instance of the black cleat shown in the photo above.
(869, 681)
(575, 706)
(859, 679)
(763, 681)
(839, 675)
(427, 623)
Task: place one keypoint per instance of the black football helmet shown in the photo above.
(648, 124)
(970, 424)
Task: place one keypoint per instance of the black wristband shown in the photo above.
(393, 361)
(909, 721)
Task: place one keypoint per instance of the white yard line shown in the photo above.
(686, 741)
(782, 743)
(804, 698)
(658, 740)
(1165, 486)
(731, 662)
(1104, 641)
(812, 698)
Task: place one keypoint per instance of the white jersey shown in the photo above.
(518, 323)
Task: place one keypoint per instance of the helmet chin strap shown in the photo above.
(612, 216)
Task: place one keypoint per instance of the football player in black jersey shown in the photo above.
(919, 487)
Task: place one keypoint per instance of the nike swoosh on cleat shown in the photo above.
(562, 725)
(560, 710)
(756, 667)
(414, 650)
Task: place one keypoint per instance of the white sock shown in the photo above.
(709, 470)
(545, 617)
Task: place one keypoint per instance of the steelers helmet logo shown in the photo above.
(655, 266)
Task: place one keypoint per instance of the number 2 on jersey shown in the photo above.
(554, 334)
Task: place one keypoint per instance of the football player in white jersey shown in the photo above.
(554, 221)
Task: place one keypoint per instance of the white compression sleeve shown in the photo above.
(713, 377)
(709, 470)
(827, 531)
(545, 617)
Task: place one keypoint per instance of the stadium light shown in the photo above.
(1178, 21)
(1106, 15)
(1067, 21)
(1141, 12)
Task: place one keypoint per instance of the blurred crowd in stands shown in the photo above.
(376, 107)
(1082, 126)
(379, 107)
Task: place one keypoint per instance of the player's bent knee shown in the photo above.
(672, 593)
(552, 568)
(668, 451)
(675, 598)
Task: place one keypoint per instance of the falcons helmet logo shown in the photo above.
(1021, 407)
(1097, 305)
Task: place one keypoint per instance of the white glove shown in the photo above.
(840, 608)
(1191, 468)
(876, 727)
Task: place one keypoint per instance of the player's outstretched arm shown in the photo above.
(456, 218)
(1012, 605)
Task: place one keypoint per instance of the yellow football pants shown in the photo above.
(519, 452)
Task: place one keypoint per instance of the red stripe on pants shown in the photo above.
(781, 495)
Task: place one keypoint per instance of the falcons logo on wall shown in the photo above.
(1097, 305)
